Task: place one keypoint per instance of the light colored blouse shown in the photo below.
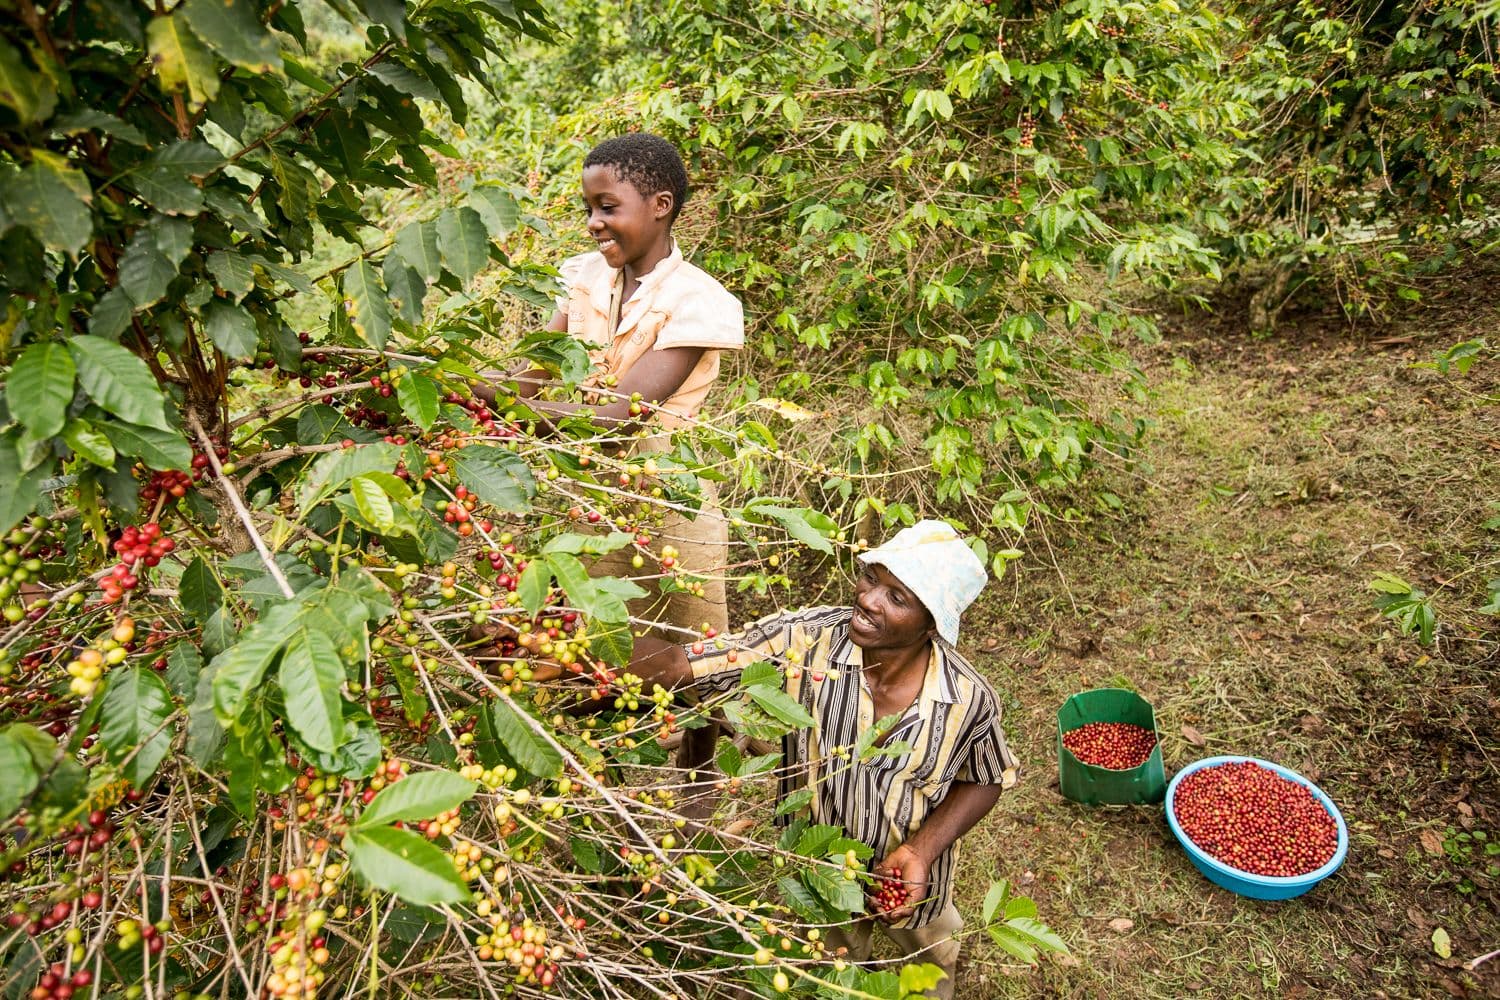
(676, 305)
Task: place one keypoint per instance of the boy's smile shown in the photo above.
(631, 229)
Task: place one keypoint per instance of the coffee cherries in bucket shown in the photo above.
(1253, 819)
(1118, 746)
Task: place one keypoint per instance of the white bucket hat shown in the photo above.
(936, 565)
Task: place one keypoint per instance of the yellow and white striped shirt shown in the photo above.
(953, 729)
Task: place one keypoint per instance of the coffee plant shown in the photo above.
(301, 658)
(938, 215)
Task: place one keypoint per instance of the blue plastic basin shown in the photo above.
(1244, 883)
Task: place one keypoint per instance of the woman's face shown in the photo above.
(887, 615)
(629, 227)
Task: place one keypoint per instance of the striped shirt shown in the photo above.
(953, 730)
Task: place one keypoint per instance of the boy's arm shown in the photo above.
(656, 379)
(965, 804)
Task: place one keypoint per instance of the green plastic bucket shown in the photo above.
(1092, 785)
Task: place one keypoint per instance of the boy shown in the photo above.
(890, 655)
(662, 323)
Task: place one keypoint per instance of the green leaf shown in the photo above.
(806, 526)
(418, 796)
(761, 672)
(498, 476)
(90, 120)
(398, 77)
(19, 491)
(497, 207)
(311, 675)
(373, 504)
(131, 725)
(612, 642)
(781, 706)
(333, 470)
(993, 899)
(118, 381)
(51, 199)
(1442, 944)
(417, 245)
(239, 669)
(233, 272)
(184, 666)
(794, 802)
(1013, 943)
(577, 585)
(145, 272)
(405, 288)
(234, 31)
(158, 449)
(18, 775)
(463, 242)
(534, 584)
(296, 185)
(1036, 933)
(917, 980)
(365, 302)
(418, 396)
(525, 746)
(204, 733)
(403, 863)
(181, 60)
(840, 893)
(585, 854)
(88, 442)
(595, 545)
(111, 314)
(232, 329)
(31, 95)
(1390, 583)
(40, 387)
(166, 179)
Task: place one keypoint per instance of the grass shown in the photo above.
(1282, 474)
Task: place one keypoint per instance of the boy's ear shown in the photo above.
(662, 204)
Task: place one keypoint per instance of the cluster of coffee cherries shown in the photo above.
(58, 984)
(1118, 746)
(523, 945)
(137, 548)
(1028, 131)
(24, 550)
(1253, 819)
(891, 892)
(299, 950)
(90, 664)
(460, 511)
(483, 415)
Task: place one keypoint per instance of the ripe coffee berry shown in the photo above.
(1253, 819)
(891, 892)
(1118, 746)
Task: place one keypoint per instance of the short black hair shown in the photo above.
(648, 162)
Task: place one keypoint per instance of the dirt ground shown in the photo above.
(1282, 473)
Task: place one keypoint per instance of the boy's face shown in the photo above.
(630, 227)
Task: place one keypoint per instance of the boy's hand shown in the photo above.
(905, 869)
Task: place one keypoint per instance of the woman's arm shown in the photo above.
(964, 805)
